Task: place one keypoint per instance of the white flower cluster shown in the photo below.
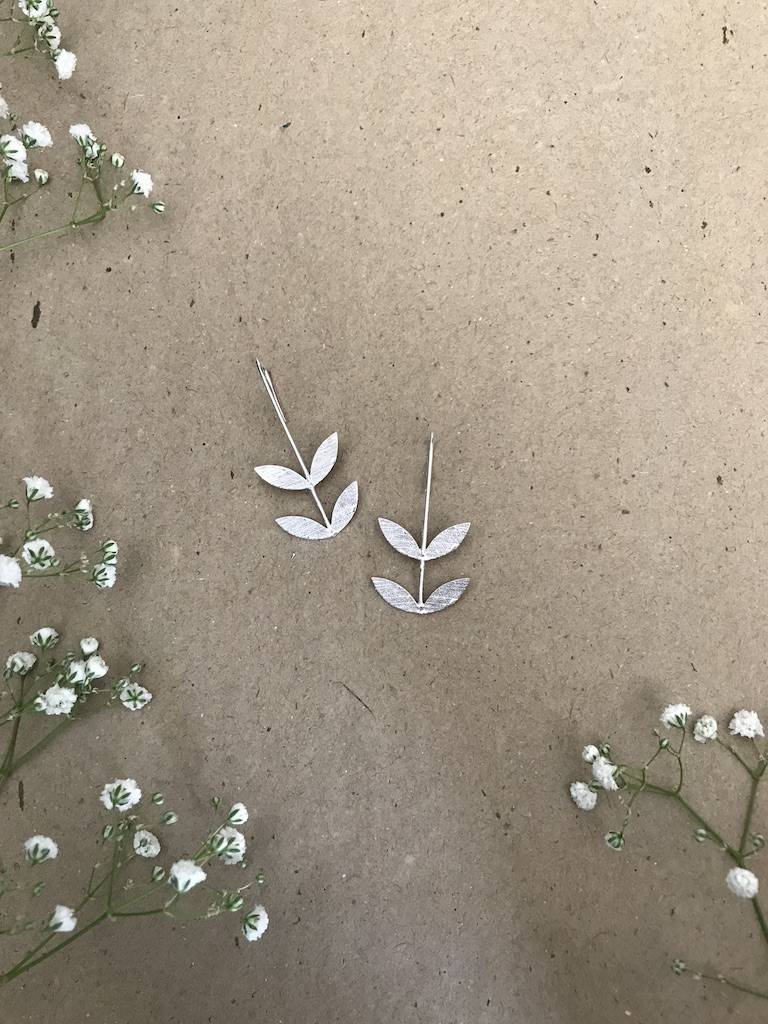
(744, 723)
(42, 17)
(227, 843)
(38, 553)
(141, 183)
(87, 141)
(604, 776)
(15, 149)
(72, 677)
(674, 716)
(185, 874)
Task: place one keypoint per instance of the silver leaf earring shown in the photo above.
(447, 594)
(323, 462)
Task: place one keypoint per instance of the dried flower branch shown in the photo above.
(34, 556)
(100, 177)
(63, 688)
(630, 782)
(124, 886)
(36, 32)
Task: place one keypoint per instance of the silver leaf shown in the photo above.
(280, 476)
(395, 595)
(324, 459)
(445, 595)
(306, 529)
(399, 538)
(446, 541)
(345, 508)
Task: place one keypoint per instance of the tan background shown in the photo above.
(538, 229)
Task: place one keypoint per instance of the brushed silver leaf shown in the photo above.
(445, 595)
(345, 508)
(324, 459)
(399, 538)
(306, 529)
(281, 476)
(395, 595)
(446, 541)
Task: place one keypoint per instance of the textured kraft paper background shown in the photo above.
(538, 229)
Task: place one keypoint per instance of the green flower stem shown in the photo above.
(6, 201)
(45, 574)
(679, 755)
(49, 937)
(105, 206)
(650, 787)
(6, 772)
(71, 225)
(13, 739)
(53, 524)
(32, 959)
(731, 750)
(754, 783)
(733, 984)
(16, 50)
(736, 855)
(22, 968)
(83, 180)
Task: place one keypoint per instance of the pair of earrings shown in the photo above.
(401, 540)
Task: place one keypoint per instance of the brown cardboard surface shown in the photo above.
(537, 229)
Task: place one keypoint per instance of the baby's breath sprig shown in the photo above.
(34, 555)
(122, 887)
(36, 32)
(100, 177)
(61, 688)
(610, 776)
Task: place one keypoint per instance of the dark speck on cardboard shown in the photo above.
(286, 125)
(36, 314)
